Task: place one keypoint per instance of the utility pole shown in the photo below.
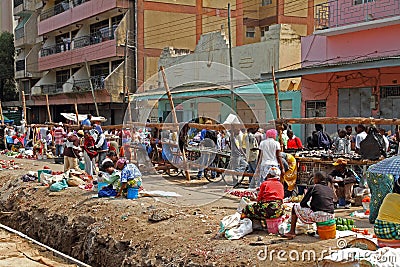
(91, 87)
(230, 59)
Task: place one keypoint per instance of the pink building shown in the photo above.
(351, 64)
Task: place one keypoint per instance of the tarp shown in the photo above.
(72, 117)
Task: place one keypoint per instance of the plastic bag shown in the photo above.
(229, 222)
(245, 227)
(107, 191)
(242, 204)
(56, 187)
(284, 228)
(303, 228)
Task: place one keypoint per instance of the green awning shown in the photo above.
(22, 22)
(265, 88)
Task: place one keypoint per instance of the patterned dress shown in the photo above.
(380, 185)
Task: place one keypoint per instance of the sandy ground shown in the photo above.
(188, 235)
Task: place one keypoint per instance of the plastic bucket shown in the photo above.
(392, 243)
(272, 225)
(326, 223)
(327, 232)
(133, 193)
(45, 171)
(101, 185)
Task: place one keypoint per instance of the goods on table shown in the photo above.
(343, 224)
(296, 199)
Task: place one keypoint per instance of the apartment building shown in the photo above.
(72, 51)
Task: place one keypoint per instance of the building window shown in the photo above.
(266, 2)
(390, 91)
(250, 32)
(286, 108)
(359, 2)
(264, 30)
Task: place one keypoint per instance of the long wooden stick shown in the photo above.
(171, 102)
(48, 108)
(76, 113)
(1, 114)
(278, 108)
(24, 107)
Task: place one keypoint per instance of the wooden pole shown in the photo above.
(1, 114)
(24, 107)
(76, 113)
(48, 108)
(171, 102)
(92, 89)
(278, 108)
(129, 108)
(336, 120)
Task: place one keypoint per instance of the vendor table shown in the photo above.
(306, 166)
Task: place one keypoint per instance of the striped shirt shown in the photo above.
(59, 135)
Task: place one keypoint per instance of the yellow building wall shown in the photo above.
(296, 8)
(221, 4)
(178, 2)
(151, 68)
(249, 40)
(164, 29)
(269, 10)
(251, 9)
(212, 24)
(300, 29)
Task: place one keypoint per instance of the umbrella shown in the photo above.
(387, 166)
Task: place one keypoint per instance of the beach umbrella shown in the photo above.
(387, 166)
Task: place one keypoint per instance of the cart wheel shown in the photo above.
(232, 179)
(174, 172)
(216, 179)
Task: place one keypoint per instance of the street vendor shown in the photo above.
(321, 207)
(269, 199)
(387, 225)
(72, 150)
(342, 181)
(290, 176)
(129, 172)
(89, 152)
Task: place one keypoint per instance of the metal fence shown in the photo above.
(337, 13)
(55, 10)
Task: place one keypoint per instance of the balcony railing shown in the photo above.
(55, 10)
(60, 8)
(19, 33)
(20, 65)
(18, 3)
(55, 49)
(84, 85)
(337, 13)
(52, 89)
(102, 35)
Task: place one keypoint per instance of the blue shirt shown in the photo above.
(86, 122)
(129, 172)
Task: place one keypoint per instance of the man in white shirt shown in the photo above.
(361, 135)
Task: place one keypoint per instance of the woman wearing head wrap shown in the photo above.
(269, 199)
(321, 207)
(270, 154)
(129, 172)
(387, 225)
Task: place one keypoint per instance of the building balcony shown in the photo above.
(26, 64)
(24, 7)
(70, 12)
(81, 49)
(26, 31)
(353, 15)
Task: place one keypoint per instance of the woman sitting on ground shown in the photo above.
(321, 208)
(269, 199)
(387, 225)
